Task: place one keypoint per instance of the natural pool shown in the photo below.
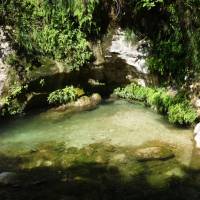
(94, 155)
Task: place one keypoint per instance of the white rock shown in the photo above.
(197, 140)
(129, 52)
(197, 135)
(197, 129)
(197, 103)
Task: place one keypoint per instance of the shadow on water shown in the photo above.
(93, 181)
(90, 180)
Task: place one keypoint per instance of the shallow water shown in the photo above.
(117, 123)
(91, 155)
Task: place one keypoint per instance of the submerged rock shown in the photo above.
(119, 158)
(7, 178)
(153, 153)
(175, 172)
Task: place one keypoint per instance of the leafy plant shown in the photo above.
(57, 29)
(63, 96)
(150, 3)
(12, 107)
(13, 104)
(160, 100)
(181, 113)
(179, 110)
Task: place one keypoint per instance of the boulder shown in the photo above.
(84, 101)
(197, 128)
(96, 98)
(153, 153)
(172, 92)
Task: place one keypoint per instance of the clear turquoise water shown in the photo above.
(118, 123)
(88, 155)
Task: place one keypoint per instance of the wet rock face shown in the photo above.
(123, 63)
(132, 53)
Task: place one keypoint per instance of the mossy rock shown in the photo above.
(153, 153)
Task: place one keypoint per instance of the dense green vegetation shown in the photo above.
(181, 113)
(62, 30)
(63, 96)
(14, 102)
(56, 29)
(49, 49)
(172, 27)
(178, 110)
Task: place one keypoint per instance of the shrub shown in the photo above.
(63, 96)
(177, 108)
(134, 92)
(12, 107)
(55, 29)
(14, 103)
(140, 93)
(126, 92)
(155, 98)
(181, 113)
(159, 99)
